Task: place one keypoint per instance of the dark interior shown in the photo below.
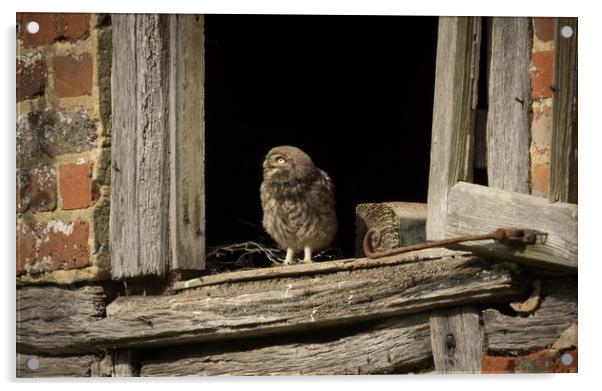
(354, 92)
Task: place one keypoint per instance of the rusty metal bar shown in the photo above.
(508, 236)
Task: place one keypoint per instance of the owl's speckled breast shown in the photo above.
(298, 214)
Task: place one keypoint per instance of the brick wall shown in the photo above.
(543, 361)
(542, 79)
(63, 148)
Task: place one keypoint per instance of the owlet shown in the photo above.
(298, 202)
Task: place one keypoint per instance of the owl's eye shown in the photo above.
(280, 160)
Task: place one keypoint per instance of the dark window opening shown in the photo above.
(480, 152)
(354, 92)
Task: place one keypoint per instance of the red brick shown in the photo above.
(75, 26)
(54, 131)
(50, 28)
(26, 246)
(543, 361)
(494, 364)
(52, 246)
(66, 245)
(53, 27)
(541, 128)
(76, 187)
(36, 189)
(542, 75)
(23, 190)
(540, 176)
(73, 75)
(570, 368)
(31, 79)
(545, 28)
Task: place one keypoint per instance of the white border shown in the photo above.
(589, 177)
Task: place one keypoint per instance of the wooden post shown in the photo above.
(452, 140)
(457, 340)
(563, 152)
(157, 184)
(140, 146)
(454, 110)
(187, 138)
(508, 119)
(123, 363)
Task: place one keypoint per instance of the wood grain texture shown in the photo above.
(474, 209)
(454, 109)
(278, 305)
(140, 146)
(398, 224)
(508, 119)
(103, 367)
(187, 139)
(70, 366)
(558, 311)
(123, 364)
(51, 317)
(304, 269)
(568, 339)
(563, 146)
(458, 340)
(284, 305)
(392, 346)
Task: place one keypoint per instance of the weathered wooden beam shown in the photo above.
(187, 139)
(140, 147)
(508, 119)
(515, 334)
(51, 319)
(568, 339)
(283, 305)
(398, 224)
(458, 340)
(303, 269)
(396, 345)
(474, 209)
(563, 145)
(48, 366)
(454, 108)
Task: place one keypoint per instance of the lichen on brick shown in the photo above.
(55, 245)
(103, 168)
(48, 132)
(32, 73)
(101, 232)
(104, 62)
(36, 189)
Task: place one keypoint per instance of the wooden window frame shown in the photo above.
(157, 215)
(458, 208)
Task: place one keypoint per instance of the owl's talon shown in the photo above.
(307, 261)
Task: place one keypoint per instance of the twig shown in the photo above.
(250, 248)
(247, 249)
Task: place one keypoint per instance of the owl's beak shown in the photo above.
(268, 168)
